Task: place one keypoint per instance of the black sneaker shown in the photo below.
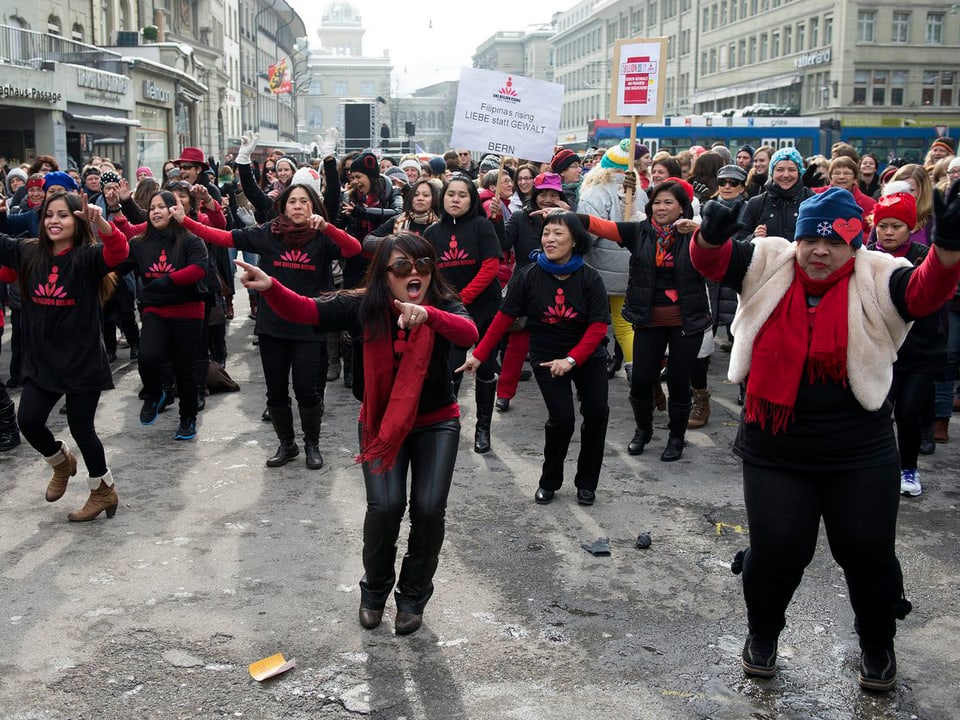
(149, 412)
(187, 430)
(166, 400)
(878, 669)
(759, 656)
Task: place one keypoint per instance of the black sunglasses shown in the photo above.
(188, 166)
(402, 267)
(728, 181)
(178, 185)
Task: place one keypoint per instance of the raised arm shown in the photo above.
(204, 232)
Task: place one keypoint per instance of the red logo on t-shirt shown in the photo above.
(295, 259)
(51, 292)
(560, 310)
(453, 252)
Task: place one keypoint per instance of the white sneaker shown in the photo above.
(910, 482)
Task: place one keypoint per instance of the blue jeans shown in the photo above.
(249, 257)
(947, 389)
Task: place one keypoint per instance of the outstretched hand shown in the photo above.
(946, 211)
(253, 278)
(177, 211)
(411, 314)
(470, 365)
(248, 143)
(720, 222)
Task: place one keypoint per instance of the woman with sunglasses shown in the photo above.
(406, 319)
(297, 247)
(469, 255)
(565, 303)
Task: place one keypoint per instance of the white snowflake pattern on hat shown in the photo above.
(825, 229)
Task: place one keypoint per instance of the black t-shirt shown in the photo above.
(156, 256)
(830, 431)
(305, 270)
(342, 312)
(61, 325)
(461, 248)
(557, 311)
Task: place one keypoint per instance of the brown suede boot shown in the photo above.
(64, 466)
(103, 496)
(700, 409)
(941, 430)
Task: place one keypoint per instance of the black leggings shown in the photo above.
(35, 406)
(649, 346)
(307, 359)
(911, 395)
(173, 339)
(431, 453)
(859, 511)
(592, 383)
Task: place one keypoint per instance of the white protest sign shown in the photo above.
(639, 70)
(507, 114)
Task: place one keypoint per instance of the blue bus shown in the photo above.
(810, 136)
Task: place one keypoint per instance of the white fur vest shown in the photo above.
(875, 328)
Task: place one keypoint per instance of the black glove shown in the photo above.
(719, 222)
(946, 214)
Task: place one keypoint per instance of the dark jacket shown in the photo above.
(364, 220)
(641, 240)
(776, 208)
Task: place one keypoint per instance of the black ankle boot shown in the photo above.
(639, 441)
(282, 418)
(310, 421)
(486, 394)
(674, 449)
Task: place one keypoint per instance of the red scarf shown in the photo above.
(390, 401)
(787, 342)
(291, 234)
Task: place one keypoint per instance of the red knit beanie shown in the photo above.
(563, 159)
(901, 206)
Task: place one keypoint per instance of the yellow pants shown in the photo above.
(622, 329)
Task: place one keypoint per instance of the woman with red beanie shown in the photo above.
(406, 317)
(817, 329)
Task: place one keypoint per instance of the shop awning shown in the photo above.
(105, 119)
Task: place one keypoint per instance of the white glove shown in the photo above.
(248, 143)
(328, 142)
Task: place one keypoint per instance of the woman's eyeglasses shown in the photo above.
(188, 166)
(728, 182)
(402, 267)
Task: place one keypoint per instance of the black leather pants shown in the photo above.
(430, 453)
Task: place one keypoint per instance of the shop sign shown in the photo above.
(102, 82)
(152, 91)
(821, 57)
(12, 92)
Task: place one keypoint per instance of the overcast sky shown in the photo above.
(430, 41)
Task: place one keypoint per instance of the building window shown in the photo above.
(703, 63)
(901, 27)
(713, 16)
(732, 56)
(652, 15)
(828, 31)
(801, 36)
(53, 25)
(684, 42)
(898, 82)
(866, 26)
(938, 87)
(77, 32)
(814, 33)
(340, 88)
(733, 11)
(713, 60)
(775, 45)
(723, 13)
(879, 95)
(763, 46)
(861, 79)
(787, 40)
(753, 50)
(366, 88)
(934, 33)
(742, 53)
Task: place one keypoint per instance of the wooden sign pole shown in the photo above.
(631, 162)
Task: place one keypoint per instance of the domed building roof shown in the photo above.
(341, 14)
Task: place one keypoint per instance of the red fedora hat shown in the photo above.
(193, 156)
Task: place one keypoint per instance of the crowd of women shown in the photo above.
(832, 278)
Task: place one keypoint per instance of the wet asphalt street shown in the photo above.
(214, 561)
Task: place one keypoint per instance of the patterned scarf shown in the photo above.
(666, 237)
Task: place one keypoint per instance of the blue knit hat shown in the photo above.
(831, 214)
(787, 153)
(438, 166)
(61, 179)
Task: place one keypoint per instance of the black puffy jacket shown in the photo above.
(776, 208)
